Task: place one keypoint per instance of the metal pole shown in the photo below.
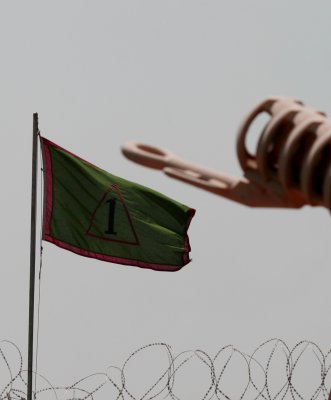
(32, 251)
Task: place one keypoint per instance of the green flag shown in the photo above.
(96, 214)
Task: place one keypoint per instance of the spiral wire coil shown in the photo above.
(272, 371)
(294, 150)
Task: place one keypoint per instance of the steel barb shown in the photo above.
(291, 167)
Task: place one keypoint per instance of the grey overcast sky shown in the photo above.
(179, 74)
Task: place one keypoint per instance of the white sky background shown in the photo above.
(180, 75)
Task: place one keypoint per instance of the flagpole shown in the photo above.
(32, 250)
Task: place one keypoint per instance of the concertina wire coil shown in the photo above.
(272, 371)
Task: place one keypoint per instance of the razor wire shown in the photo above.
(273, 371)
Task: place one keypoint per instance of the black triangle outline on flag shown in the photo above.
(118, 191)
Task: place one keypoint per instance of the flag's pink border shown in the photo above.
(48, 206)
